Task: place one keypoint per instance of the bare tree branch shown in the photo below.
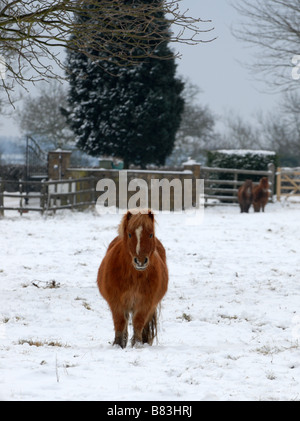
(41, 116)
(274, 27)
(31, 32)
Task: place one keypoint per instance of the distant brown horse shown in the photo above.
(245, 196)
(133, 278)
(261, 195)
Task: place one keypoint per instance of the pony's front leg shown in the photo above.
(121, 329)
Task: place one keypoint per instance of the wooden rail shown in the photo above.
(53, 195)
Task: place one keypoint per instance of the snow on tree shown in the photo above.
(127, 111)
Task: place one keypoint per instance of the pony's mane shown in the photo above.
(135, 218)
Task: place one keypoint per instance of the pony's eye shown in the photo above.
(129, 235)
(151, 235)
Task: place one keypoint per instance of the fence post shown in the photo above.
(74, 187)
(70, 198)
(1, 198)
(278, 184)
(43, 197)
(55, 197)
(271, 168)
(235, 184)
(21, 196)
(93, 184)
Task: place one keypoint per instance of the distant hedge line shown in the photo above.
(247, 160)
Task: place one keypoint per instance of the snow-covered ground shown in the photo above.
(229, 325)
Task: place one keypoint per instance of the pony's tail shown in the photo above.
(150, 330)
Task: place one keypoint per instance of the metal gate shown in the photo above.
(36, 161)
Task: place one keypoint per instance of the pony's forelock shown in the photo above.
(135, 218)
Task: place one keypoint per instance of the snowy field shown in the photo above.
(229, 325)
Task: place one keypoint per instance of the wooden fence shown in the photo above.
(50, 195)
(288, 182)
(221, 184)
(220, 187)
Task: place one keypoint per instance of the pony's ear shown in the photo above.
(128, 215)
(123, 225)
(150, 214)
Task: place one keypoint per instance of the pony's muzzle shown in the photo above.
(140, 264)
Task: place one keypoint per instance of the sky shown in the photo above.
(216, 67)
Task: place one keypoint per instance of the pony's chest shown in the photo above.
(135, 285)
(134, 289)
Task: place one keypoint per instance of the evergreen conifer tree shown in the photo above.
(127, 111)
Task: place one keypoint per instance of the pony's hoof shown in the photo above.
(121, 342)
(121, 345)
(136, 342)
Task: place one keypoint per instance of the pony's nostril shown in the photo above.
(146, 260)
(136, 260)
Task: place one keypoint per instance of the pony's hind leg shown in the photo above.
(121, 329)
(144, 328)
(150, 330)
(139, 321)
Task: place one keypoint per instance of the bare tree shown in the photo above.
(277, 131)
(273, 26)
(1, 152)
(31, 32)
(196, 133)
(281, 130)
(41, 117)
(241, 134)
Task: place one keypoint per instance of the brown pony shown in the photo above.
(133, 278)
(261, 195)
(245, 196)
